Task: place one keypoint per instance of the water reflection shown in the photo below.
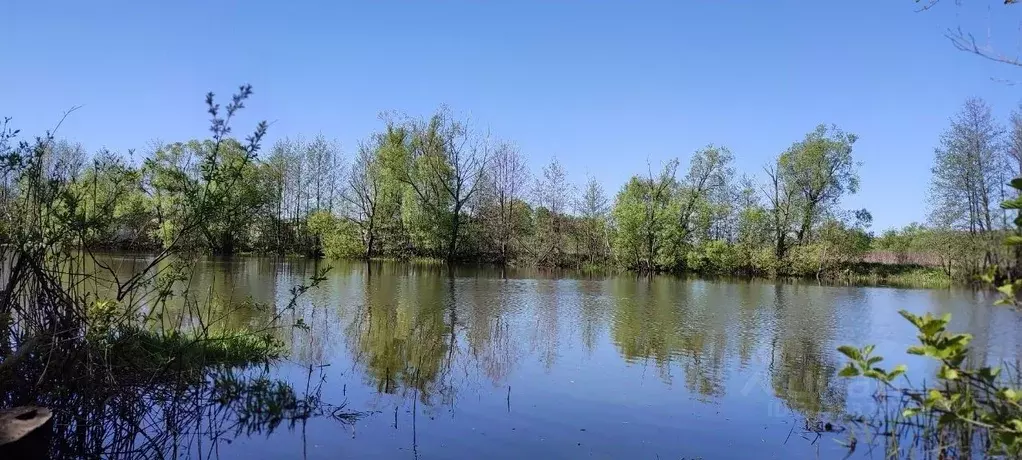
(803, 373)
(527, 357)
(403, 335)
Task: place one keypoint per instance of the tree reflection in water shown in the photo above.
(420, 338)
(410, 331)
(404, 336)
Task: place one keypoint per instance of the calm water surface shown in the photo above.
(528, 364)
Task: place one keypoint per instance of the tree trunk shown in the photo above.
(452, 246)
(779, 251)
(807, 223)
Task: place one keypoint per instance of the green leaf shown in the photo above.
(1010, 394)
(916, 350)
(849, 371)
(947, 418)
(877, 374)
(1016, 183)
(989, 374)
(911, 318)
(1013, 240)
(1014, 203)
(898, 370)
(850, 352)
(959, 341)
(910, 412)
(947, 373)
(932, 327)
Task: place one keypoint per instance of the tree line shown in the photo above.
(974, 162)
(435, 187)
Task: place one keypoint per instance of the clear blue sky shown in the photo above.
(603, 85)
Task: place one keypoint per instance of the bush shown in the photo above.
(802, 260)
(763, 261)
(714, 256)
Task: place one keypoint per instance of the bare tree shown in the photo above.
(969, 166)
(287, 164)
(966, 171)
(64, 159)
(325, 173)
(553, 193)
(505, 190)
(592, 207)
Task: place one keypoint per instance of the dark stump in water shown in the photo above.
(25, 433)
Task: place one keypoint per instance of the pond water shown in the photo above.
(490, 363)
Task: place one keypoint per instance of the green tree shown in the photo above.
(1014, 151)
(645, 217)
(841, 243)
(820, 168)
(113, 209)
(753, 226)
(703, 195)
(339, 238)
(442, 168)
(184, 186)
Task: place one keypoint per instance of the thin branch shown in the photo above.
(967, 42)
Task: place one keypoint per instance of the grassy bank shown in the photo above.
(911, 276)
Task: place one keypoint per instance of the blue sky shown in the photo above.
(603, 85)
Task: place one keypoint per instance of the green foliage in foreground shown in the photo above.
(964, 399)
(138, 365)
